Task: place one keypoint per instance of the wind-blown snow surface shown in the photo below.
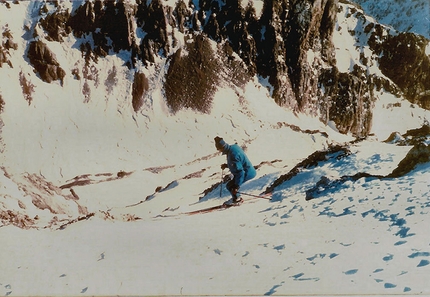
(364, 236)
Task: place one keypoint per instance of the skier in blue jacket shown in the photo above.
(238, 164)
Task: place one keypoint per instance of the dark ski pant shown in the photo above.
(231, 184)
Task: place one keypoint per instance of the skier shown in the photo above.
(238, 164)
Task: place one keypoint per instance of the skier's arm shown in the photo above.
(238, 171)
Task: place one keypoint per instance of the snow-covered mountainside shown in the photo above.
(108, 111)
(405, 16)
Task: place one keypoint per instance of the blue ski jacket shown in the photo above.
(239, 164)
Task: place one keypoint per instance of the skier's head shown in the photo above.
(219, 143)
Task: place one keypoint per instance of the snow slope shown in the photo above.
(140, 173)
(367, 236)
(405, 16)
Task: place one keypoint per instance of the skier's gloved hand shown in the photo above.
(227, 178)
(224, 166)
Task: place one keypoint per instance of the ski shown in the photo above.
(213, 208)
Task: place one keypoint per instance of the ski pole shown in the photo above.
(256, 196)
(222, 179)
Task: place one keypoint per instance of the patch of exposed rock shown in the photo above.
(403, 59)
(45, 62)
(140, 87)
(6, 45)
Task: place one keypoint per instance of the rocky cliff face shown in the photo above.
(404, 60)
(289, 43)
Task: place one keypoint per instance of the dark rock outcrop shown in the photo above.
(2, 104)
(199, 69)
(104, 20)
(404, 60)
(334, 151)
(55, 24)
(140, 87)
(419, 154)
(348, 101)
(289, 44)
(6, 45)
(411, 137)
(44, 62)
(151, 19)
